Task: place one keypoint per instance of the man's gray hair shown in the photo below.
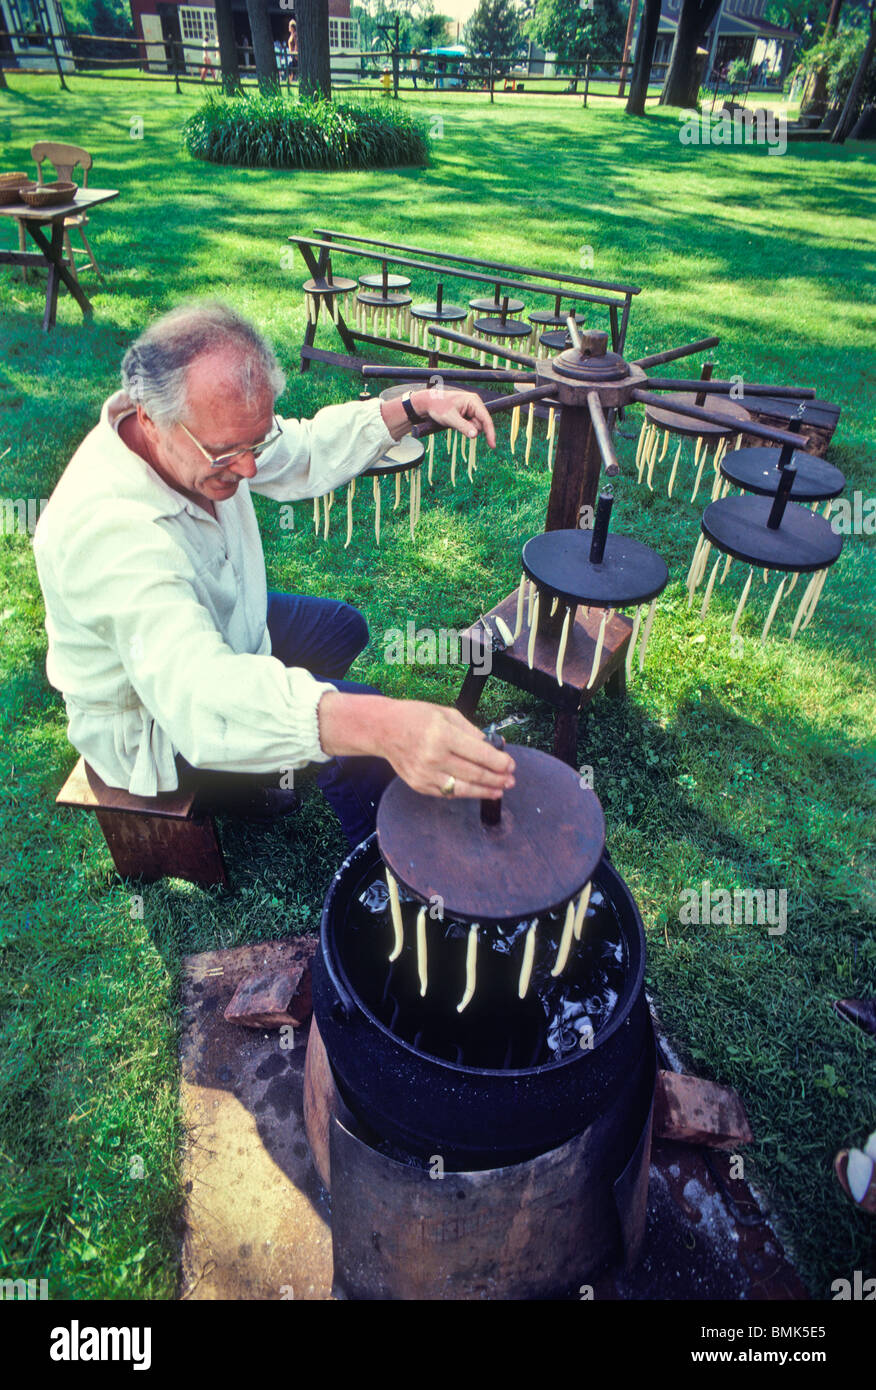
(155, 367)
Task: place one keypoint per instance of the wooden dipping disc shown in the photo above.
(339, 285)
(373, 300)
(666, 418)
(803, 542)
(542, 852)
(393, 282)
(543, 318)
(407, 453)
(483, 306)
(756, 470)
(630, 572)
(511, 328)
(448, 313)
(556, 341)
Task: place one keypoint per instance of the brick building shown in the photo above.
(159, 20)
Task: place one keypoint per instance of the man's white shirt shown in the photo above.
(156, 611)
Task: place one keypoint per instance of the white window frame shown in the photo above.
(343, 34)
(196, 23)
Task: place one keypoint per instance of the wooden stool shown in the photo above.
(568, 699)
(149, 837)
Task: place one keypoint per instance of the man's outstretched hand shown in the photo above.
(457, 410)
(453, 410)
(425, 744)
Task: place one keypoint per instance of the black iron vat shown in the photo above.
(474, 1117)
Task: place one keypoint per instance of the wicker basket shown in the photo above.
(47, 195)
(10, 185)
(12, 192)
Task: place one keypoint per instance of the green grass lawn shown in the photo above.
(747, 772)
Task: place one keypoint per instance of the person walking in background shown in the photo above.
(292, 51)
(207, 69)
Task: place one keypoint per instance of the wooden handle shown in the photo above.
(780, 501)
(600, 526)
(451, 334)
(654, 359)
(705, 375)
(503, 403)
(742, 427)
(491, 809)
(603, 437)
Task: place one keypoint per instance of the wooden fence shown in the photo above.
(582, 77)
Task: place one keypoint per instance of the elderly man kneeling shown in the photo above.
(163, 638)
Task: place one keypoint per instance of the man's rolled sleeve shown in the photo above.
(315, 456)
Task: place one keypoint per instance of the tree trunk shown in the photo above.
(628, 43)
(314, 58)
(227, 48)
(263, 45)
(682, 85)
(814, 99)
(645, 45)
(850, 110)
(865, 128)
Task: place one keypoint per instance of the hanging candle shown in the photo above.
(351, 493)
(565, 940)
(598, 571)
(564, 637)
(395, 912)
(770, 534)
(526, 963)
(581, 911)
(667, 420)
(471, 962)
(402, 459)
(422, 964)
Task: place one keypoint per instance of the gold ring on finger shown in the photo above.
(447, 789)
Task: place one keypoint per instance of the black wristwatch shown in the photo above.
(409, 410)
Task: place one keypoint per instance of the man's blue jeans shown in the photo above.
(325, 636)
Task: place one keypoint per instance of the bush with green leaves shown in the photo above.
(276, 132)
(838, 55)
(737, 71)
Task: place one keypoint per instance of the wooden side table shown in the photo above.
(51, 248)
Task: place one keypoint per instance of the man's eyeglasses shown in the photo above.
(223, 460)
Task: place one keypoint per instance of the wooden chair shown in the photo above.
(64, 158)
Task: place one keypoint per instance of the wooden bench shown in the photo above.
(819, 420)
(149, 837)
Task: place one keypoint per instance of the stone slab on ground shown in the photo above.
(256, 1216)
(695, 1111)
(706, 1236)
